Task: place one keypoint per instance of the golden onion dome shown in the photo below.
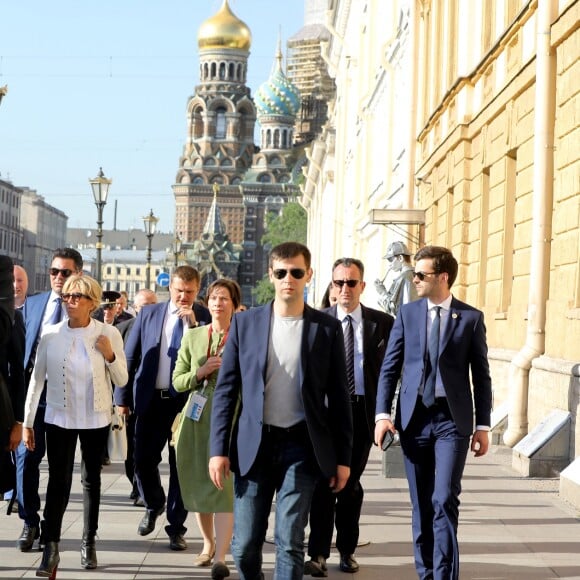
(224, 30)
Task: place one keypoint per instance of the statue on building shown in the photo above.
(402, 289)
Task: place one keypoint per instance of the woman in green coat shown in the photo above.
(196, 371)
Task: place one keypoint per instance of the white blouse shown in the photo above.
(79, 412)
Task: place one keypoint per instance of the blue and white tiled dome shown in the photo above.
(277, 96)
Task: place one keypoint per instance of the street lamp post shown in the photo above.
(176, 250)
(149, 221)
(100, 186)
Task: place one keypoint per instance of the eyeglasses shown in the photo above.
(280, 273)
(423, 275)
(349, 283)
(73, 296)
(108, 306)
(65, 272)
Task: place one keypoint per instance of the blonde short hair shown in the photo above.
(85, 285)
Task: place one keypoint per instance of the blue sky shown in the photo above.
(106, 83)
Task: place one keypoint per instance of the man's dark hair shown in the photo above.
(443, 261)
(347, 262)
(290, 250)
(187, 274)
(69, 254)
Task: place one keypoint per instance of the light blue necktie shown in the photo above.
(57, 312)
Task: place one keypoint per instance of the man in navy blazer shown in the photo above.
(40, 311)
(435, 409)
(370, 332)
(154, 401)
(281, 416)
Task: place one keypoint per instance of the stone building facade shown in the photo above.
(482, 141)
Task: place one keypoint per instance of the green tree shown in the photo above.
(288, 226)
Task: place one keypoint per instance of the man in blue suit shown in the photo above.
(151, 351)
(40, 311)
(281, 416)
(435, 343)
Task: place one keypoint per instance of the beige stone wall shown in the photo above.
(474, 164)
(479, 193)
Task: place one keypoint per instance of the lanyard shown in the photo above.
(220, 345)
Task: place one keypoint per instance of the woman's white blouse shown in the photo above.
(79, 381)
(79, 412)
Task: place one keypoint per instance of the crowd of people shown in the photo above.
(278, 401)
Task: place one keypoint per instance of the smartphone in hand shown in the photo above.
(387, 440)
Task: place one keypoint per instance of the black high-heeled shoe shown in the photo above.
(88, 553)
(49, 562)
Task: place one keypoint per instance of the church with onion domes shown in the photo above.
(226, 184)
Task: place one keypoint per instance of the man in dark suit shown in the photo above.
(281, 416)
(436, 343)
(370, 330)
(142, 298)
(40, 311)
(151, 351)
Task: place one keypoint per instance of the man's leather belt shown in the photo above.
(285, 430)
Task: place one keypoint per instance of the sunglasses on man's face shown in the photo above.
(297, 273)
(349, 283)
(64, 272)
(108, 306)
(423, 275)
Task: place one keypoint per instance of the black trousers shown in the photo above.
(152, 434)
(61, 446)
(343, 508)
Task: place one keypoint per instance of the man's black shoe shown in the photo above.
(348, 563)
(316, 567)
(147, 523)
(27, 537)
(177, 542)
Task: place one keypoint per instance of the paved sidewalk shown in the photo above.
(510, 528)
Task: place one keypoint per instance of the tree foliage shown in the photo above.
(289, 226)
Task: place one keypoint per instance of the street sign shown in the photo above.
(162, 279)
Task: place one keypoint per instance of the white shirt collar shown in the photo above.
(356, 314)
(445, 305)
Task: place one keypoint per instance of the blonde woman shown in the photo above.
(79, 358)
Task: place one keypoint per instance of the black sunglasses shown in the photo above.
(65, 272)
(73, 295)
(423, 275)
(349, 283)
(280, 273)
(108, 306)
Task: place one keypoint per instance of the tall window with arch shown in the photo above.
(220, 123)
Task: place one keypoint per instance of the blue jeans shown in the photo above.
(285, 465)
(28, 473)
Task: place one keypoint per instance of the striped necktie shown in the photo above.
(349, 353)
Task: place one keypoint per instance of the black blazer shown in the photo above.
(376, 330)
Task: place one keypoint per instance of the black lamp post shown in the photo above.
(100, 186)
(176, 250)
(149, 221)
